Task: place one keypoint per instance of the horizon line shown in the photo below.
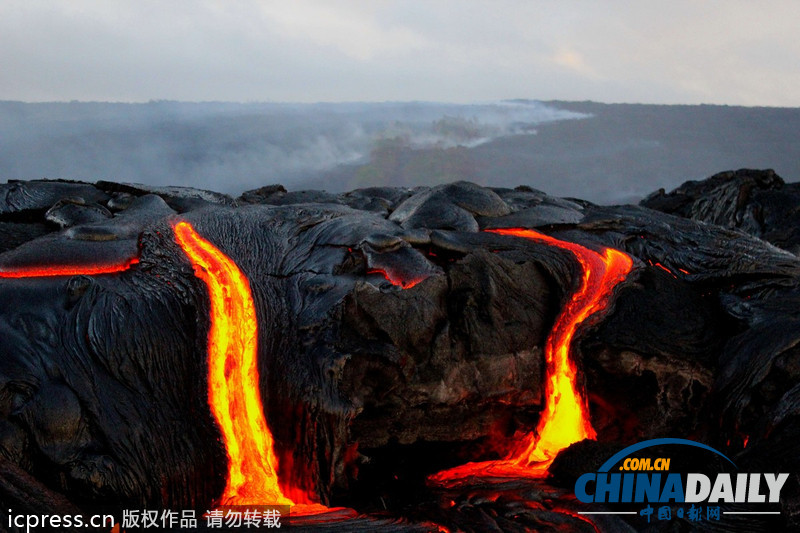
(157, 101)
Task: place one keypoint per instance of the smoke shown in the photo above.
(233, 147)
(604, 153)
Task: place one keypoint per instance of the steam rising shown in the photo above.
(235, 147)
(602, 153)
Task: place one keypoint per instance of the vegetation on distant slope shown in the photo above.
(397, 162)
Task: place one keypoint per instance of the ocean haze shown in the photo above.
(605, 153)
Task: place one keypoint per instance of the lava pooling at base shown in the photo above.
(565, 418)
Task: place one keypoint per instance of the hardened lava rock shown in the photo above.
(757, 202)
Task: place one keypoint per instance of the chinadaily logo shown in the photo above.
(663, 485)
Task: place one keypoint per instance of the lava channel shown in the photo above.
(565, 418)
(47, 271)
(233, 380)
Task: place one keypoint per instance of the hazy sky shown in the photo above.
(679, 51)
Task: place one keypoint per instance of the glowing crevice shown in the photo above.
(396, 280)
(565, 418)
(662, 267)
(48, 271)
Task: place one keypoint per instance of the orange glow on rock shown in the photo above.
(233, 389)
(395, 280)
(68, 270)
(662, 267)
(564, 419)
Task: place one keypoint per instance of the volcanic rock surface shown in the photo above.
(396, 338)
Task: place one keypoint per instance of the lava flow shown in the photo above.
(565, 419)
(69, 270)
(233, 390)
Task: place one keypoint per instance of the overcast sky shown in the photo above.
(677, 51)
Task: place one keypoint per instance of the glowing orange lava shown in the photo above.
(396, 280)
(565, 418)
(233, 389)
(68, 270)
(665, 269)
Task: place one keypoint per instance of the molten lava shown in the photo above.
(565, 419)
(233, 389)
(68, 270)
(395, 279)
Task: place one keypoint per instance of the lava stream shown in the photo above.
(233, 389)
(69, 270)
(565, 419)
(233, 379)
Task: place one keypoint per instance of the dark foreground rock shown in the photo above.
(396, 339)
